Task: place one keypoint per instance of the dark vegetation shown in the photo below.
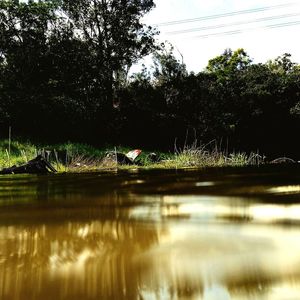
(64, 76)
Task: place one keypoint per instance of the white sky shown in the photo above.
(260, 42)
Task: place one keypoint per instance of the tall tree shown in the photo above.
(115, 35)
(24, 32)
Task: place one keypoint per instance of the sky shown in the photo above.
(269, 28)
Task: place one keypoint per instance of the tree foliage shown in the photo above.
(62, 61)
(64, 75)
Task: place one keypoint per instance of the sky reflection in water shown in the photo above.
(136, 236)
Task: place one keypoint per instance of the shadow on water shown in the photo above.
(206, 234)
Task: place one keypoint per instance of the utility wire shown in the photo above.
(271, 18)
(233, 32)
(284, 24)
(229, 14)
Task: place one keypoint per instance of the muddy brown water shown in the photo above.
(208, 234)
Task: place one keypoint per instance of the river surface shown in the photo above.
(215, 234)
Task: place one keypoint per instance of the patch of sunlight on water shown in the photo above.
(285, 292)
(288, 189)
(211, 208)
(204, 183)
(216, 292)
(133, 182)
(274, 212)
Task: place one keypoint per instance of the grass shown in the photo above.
(200, 156)
(19, 153)
(82, 158)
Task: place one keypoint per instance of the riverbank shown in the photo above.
(74, 157)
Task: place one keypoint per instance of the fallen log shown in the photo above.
(38, 165)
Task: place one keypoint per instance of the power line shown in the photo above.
(229, 14)
(232, 24)
(233, 32)
(284, 24)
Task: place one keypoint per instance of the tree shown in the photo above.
(228, 70)
(114, 33)
(282, 64)
(24, 29)
(62, 60)
(166, 66)
(229, 62)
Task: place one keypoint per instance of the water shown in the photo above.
(215, 234)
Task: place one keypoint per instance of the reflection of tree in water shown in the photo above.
(83, 240)
(73, 239)
(74, 260)
(111, 259)
(62, 190)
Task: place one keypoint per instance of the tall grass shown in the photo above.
(197, 156)
(15, 153)
(82, 158)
